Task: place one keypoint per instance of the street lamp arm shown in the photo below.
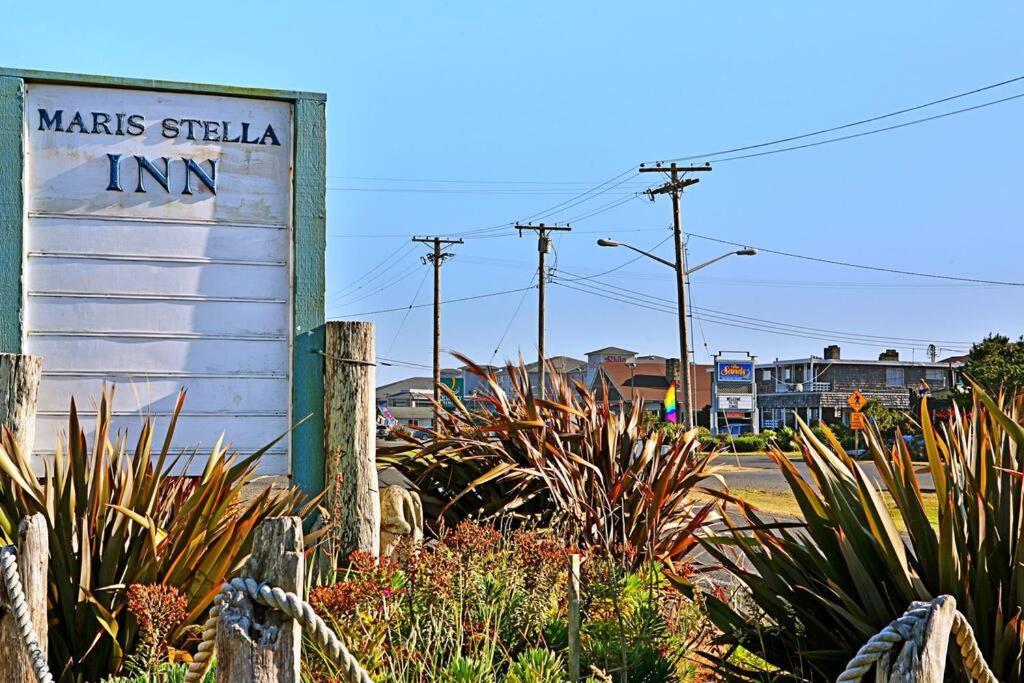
(612, 243)
(741, 252)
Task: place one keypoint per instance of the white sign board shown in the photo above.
(158, 256)
(743, 402)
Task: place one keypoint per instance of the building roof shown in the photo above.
(853, 361)
(561, 364)
(649, 380)
(425, 383)
(612, 349)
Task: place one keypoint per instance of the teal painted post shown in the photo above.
(12, 210)
(310, 232)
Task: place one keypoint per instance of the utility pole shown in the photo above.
(674, 188)
(437, 257)
(543, 245)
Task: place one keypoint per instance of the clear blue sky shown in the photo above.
(561, 96)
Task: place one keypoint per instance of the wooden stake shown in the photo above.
(923, 657)
(574, 617)
(33, 553)
(259, 644)
(350, 437)
(19, 392)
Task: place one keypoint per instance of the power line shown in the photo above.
(405, 317)
(625, 295)
(447, 301)
(372, 270)
(852, 124)
(401, 276)
(467, 181)
(511, 320)
(869, 132)
(847, 264)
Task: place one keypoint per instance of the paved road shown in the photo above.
(758, 472)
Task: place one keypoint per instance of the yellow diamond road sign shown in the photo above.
(857, 400)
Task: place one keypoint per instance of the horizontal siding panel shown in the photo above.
(106, 315)
(47, 274)
(142, 355)
(192, 431)
(157, 239)
(142, 394)
(273, 463)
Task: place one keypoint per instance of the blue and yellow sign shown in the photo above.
(734, 371)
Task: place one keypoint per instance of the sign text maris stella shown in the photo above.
(158, 170)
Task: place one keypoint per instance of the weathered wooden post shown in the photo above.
(19, 392)
(574, 617)
(259, 644)
(923, 657)
(33, 554)
(350, 436)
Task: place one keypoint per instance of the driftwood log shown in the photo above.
(19, 394)
(350, 437)
(256, 644)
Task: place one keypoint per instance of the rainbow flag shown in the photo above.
(670, 403)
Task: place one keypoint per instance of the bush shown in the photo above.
(482, 605)
(812, 596)
(115, 518)
(569, 461)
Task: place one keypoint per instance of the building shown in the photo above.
(817, 388)
(410, 400)
(648, 378)
(571, 370)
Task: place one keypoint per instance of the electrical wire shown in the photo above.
(868, 132)
(447, 301)
(511, 320)
(426, 272)
(847, 264)
(712, 316)
(852, 124)
(367, 274)
(399, 278)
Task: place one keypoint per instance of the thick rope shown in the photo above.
(292, 606)
(19, 608)
(900, 630)
(970, 654)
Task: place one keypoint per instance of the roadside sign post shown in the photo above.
(858, 421)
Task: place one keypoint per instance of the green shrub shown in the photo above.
(115, 518)
(812, 596)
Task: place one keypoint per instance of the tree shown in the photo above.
(997, 363)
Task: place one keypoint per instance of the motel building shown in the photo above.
(817, 388)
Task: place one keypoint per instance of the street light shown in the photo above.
(684, 354)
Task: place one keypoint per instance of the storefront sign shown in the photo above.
(734, 371)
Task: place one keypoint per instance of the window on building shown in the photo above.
(839, 414)
(936, 377)
(894, 377)
(787, 374)
(766, 375)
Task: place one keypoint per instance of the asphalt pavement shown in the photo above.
(758, 472)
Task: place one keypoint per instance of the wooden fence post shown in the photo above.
(350, 436)
(923, 657)
(263, 645)
(19, 392)
(574, 617)
(33, 554)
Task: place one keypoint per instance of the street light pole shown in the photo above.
(679, 267)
